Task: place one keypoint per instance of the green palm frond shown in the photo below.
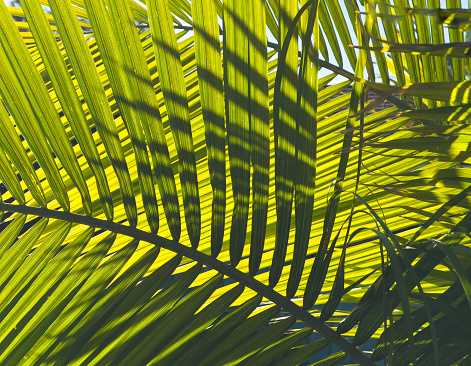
(191, 183)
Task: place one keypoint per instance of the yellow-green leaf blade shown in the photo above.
(174, 90)
(209, 69)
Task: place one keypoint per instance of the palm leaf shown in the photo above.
(112, 109)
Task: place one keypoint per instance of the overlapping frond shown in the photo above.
(185, 183)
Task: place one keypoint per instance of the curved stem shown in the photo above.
(208, 261)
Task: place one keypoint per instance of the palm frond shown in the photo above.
(179, 189)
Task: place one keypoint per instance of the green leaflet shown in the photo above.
(182, 312)
(36, 332)
(200, 322)
(437, 305)
(243, 330)
(48, 278)
(29, 268)
(8, 177)
(328, 27)
(10, 233)
(122, 316)
(70, 102)
(284, 127)
(306, 148)
(11, 145)
(151, 123)
(406, 31)
(37, 113)
(209, 69)
(455, 113)
(92, 89)
(339, 181)
(220, 331)
(87, 289)
(259, 130)
(15, 255)
(332, 360)
(303, 353)
(236, 86)
(114, 294)
(341, 27)
(113, 32)
(19, 107)
(152, 312)
(271, 353)
(457, 49)
(460, 271)
(391, 34)
(173, 87)
(252, 344)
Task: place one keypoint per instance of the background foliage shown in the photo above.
(192, 183)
